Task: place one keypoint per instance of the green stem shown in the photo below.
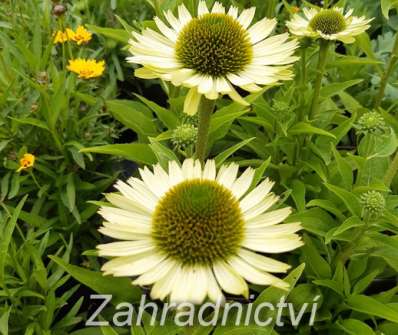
(303, 83)
(320, 71)
(205, 110)
(390, 67)
(391, 172)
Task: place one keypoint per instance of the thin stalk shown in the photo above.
(303, 80)
(387, 73)
(206, 108)
(320, 71)
(392, 171)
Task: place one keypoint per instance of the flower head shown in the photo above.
(86, 68)
(373, 203)
(192, 232)
(27, 161)
(82, 35)
(329, 24)
(184, 135)
(371, 123)
(63, 36)
(213, 52)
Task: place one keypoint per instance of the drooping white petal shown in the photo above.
(270, 218)
(273, 245)
(229, 280)
(127, 248)
(254, 275)
(261, 207)
(192, 101)
(137, 221)
(162, 288)
(227, 175)
(134, 196)
(175, 173)
(209, 171)
(184, 15)
(170, 33)
(214, 291)
(256, 195)
(261, 29)
(246, 17)
(233, 12)
(155, 274)
(263, 263)
(132, 265)
(242, 184)
(275, 231)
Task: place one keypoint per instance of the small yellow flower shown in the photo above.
(86, 68)
(27, 161)
(63, 36)
(81, 35)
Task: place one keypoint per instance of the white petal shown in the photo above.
(273, 245)
(262, 262)
(276, 231)
(170, 33)
(184, 15)
(261, 29)
(233, 11)
(206, 85)
(162, 288)
(121, 234)
(227, 174)
(202, 8)
(125, 203)
(209, 171)
(192, 101)
(234, 95)
(214, 291)
(157, 182)
(120, 216)
(246, 17)
(132, 265)
(255, 276)
(257, 195)
(174, 22)
(261, 207)
(229, 280)
(218, 8)
(134, 196)
(175, 173)
(270, 218)
(127, 248)
(156, 273)
(188, 169)
(242, 184)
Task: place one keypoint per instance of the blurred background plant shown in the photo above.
(337, 170)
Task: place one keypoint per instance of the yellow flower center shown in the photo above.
(198, 222)
(215, 45)
(328, 21)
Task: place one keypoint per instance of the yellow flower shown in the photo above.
(27, 161)
(82, 35)
(63, 36)
(86, 68)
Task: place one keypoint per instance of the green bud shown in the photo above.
(371, 123)
(373, 204)
(184, 135)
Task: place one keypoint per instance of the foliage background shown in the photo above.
(85, 134)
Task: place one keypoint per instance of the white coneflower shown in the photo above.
(192, 232)
(329, 24)
(213, 52)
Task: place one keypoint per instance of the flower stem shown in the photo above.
(320, 71)
(205, 110)
(390, 67)
(392, 170)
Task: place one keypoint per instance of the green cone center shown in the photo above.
(214, 45)
(198, 222)
(328, 21)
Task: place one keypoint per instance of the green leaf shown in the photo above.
(163, 153)
(335, 88)
(71, 192)
(136, 152)
(387, 5)
(298, 194)
(306, 128)
(4, 321)
(372, 307)
(131, 114)
(119, 35)
(5, 239)
(344, 168)
(120, 288)
(355, 327)
(350, 200)
(31, 121)
(319, 266)
(219, 119)
(169, 119)
(225, 154)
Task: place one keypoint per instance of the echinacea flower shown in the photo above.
(213, 52)
(63, 36)
(193, 232)
(27, 161)
(86, 68)
(82, 35)
(329, 24)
